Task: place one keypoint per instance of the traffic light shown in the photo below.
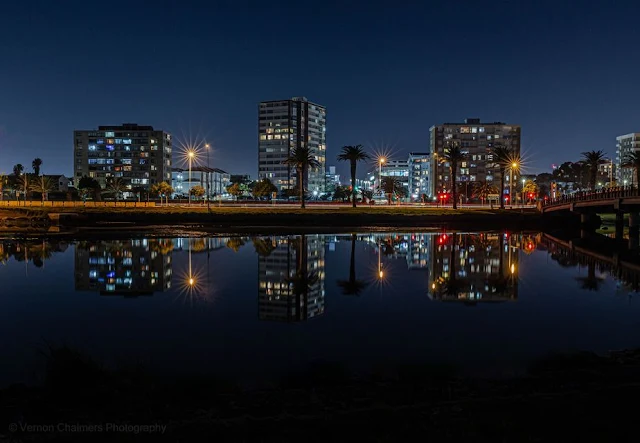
(442, 239)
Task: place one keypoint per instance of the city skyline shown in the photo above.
(199, 76)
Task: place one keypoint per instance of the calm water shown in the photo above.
(256, 308)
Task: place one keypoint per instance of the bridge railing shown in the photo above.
(600, 194)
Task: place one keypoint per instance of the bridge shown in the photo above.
(616, 200)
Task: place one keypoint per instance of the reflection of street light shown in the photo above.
(625, 182)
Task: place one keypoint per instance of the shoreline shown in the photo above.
(46, 221)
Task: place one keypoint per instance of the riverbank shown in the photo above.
(564, 397)
(250, 218)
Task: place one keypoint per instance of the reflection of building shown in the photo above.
(138, 155)
(129, 268)
(418, 252)
(476, 140)
(214, 179)
(287, 124)
(291, 279)
(200, 244)
(474, 267)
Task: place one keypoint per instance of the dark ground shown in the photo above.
(580, 397)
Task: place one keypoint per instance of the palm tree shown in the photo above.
(390, 186)
(592, 159)
(117, 187)
(235, 243)
(352, 286)
(632, 160)
(43, 185)
(301, 159)
(453, 155)
(17, 169)
(482, 190)
(353, 154)
(503, 157)
(35, 164)
(367, 194)
(263, 246)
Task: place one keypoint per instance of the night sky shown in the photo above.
(567, 71)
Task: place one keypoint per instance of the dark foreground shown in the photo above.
(565, 398)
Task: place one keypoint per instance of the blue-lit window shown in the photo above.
(92, 147)
(126, 161)
(118, 141)
(110, 148)
(111, 288)
(100, 141)
(126, 141)
(143, 161)
(110, 161)
(93, 161)
(109, 134)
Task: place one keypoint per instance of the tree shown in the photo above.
(43, 185)
(503, 157)
(530, 187)
(3, 182)
(301, 160)
(592, 159)
(89, 186)
(162, 189)
(341, 193)
(235, 243)
(352, 286)
(353, 154)
(483, 190)
(632, 160)
(263, 246)
(117, 187)
(391, 186)
(35, 164)
(197, 191)
(235, 190)
(264, 188)
(23, 184)
(453, 155)
(367, 194)
(18, 169)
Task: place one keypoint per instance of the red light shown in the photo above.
(530, 246)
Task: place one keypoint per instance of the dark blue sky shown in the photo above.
(567, 71)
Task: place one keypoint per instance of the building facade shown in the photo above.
(139, 156)
(625, 145)
(214, 181)
(476, 140)
(419, 175)
(287, 124)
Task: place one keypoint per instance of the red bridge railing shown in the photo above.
(600, 194)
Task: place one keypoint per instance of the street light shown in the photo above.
(514, 165)
(207, 195)
(381, 161)
(190, 155)
(523, 181)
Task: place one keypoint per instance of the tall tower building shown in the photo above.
(287, 124)
(625, 145)
(477, 140)
(137, 155)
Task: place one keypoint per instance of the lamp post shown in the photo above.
(523, 181)
(208, 178)
(382, 160)
(190, 154)
(513, 166)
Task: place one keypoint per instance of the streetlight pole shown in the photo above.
(190, 154)
(523, 181)
(382, 160)
(513, 166)
(208, 194)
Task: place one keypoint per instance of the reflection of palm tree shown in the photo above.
(591, 282)
(263, 246)
(302, 281)
(352, 286)
(451, 287)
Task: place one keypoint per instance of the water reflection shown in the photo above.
(291, 278)
(34, 251)
(129, 268)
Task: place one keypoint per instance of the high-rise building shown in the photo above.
(287, 124)
(419, 175)
(625, 145)
(291, 278)
(476, 140)
(137, 155)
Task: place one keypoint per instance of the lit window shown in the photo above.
(465, 130)
(118, 141)
(481, 129)
(263, 137)
(109, 134)
(92, 147)
(474, 130)
(126, 141)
